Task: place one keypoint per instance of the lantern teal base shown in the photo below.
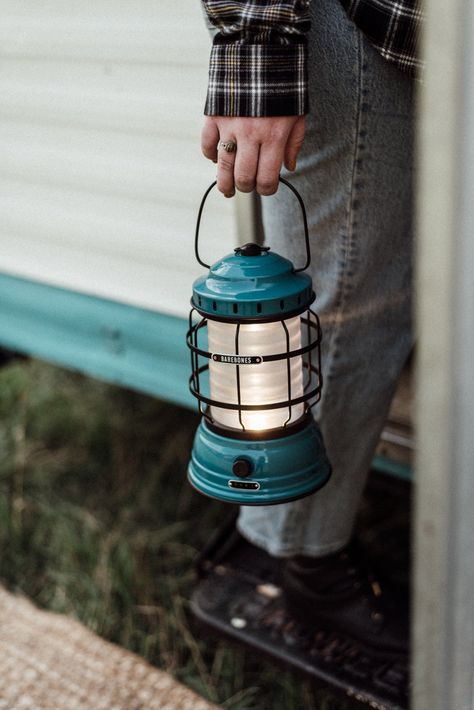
(277, 470)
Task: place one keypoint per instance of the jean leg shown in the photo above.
(355, 175)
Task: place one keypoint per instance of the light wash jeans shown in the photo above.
(355, 174)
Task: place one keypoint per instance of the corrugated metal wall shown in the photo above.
(100, 165)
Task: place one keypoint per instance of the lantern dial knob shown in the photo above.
(251, 249)
(242, 467)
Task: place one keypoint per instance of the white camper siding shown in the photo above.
(100, 166)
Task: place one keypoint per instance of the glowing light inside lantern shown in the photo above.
(264, 383)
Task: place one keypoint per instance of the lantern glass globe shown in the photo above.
(260, 384)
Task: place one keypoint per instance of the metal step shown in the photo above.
(240, 597)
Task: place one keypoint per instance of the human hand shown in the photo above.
(264, 144)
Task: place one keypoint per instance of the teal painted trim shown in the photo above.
(386, 465)
(129, 346)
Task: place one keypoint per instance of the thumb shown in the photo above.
(294, 143)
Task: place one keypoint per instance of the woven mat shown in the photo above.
(51, 662)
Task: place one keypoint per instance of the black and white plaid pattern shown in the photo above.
(393, 27)
(260, 20)
(258, 59)
(257, 80)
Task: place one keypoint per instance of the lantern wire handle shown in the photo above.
(303, 212)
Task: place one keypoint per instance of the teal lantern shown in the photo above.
(256, 372)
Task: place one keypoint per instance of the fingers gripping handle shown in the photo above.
(303, 212)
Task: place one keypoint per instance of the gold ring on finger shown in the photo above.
(229, 146)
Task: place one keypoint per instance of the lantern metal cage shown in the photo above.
(311, 353)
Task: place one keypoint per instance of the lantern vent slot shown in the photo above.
(282, 305)
(235, 307)
(214, 306)
(259, 307)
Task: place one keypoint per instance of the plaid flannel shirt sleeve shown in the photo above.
(258, 63)
(394, 27)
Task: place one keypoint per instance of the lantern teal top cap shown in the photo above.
(253, 282)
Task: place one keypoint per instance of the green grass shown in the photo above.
(97, 521)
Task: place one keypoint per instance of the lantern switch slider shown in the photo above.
(244, 485)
